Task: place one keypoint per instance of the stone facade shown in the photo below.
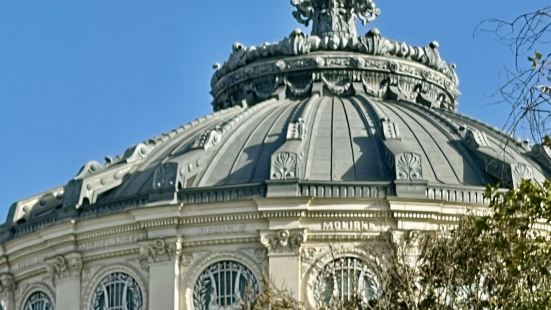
(165, 248)
(319, 145)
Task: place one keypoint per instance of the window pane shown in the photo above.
(117, 291)
(345, 280)
(224, 284)
(38, 301)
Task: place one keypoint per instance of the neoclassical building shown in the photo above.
(317, 145)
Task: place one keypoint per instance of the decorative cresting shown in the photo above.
(334, 18)
(339, 60)
(117, 291)
(283, 242)
(224, 285)
(65, 266)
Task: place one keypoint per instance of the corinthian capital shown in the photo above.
(160, 250)
(65, 266)
(283, 242)
(7, 283)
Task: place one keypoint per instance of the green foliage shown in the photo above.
(501, 260)
(271, 298)
(535, 60)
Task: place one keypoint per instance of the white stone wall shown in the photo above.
(166, 248)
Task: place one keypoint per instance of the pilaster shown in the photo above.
(7, 291)
(162, 258)
(284, 257)
(65, 271)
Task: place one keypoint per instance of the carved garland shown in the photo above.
(379, 78)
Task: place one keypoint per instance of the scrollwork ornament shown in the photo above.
(283, 241)
(157, 251)
(61, 267)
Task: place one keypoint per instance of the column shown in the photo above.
(7, 291)
(66, 271)
(284, 258)
(162, 258)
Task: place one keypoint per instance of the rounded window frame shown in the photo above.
(322, 256)
(347, 273)
(223, 279)
(108, 282)
(101, 273)
(21, 300)
(200, 263)
(33, 292)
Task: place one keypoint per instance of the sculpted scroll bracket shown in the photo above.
(161, 250)
(283, 242)
(64, 266)
(7, 284)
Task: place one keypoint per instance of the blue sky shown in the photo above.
(80, 79)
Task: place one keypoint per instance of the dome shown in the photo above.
(319, 147)
(328, 115)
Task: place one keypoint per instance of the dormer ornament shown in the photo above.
(334, 18)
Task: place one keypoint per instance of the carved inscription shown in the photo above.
(114, 241)
(346, 225)
(225, 229)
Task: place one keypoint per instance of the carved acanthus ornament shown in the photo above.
(285, 166)
(161, 250)
(521, 172)
(283, 242)
(408, 167)
(65, 266)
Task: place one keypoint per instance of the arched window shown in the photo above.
(344, 280)
(224, 285)
(117, 291)
(38, 301)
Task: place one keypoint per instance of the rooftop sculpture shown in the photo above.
(332, 18)
(331, 114)
(254, 73)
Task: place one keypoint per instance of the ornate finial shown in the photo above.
(332, 18)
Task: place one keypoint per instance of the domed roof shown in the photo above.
(326, 115)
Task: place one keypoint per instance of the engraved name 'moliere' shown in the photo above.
(346, 225)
